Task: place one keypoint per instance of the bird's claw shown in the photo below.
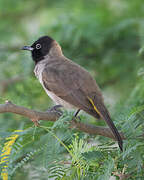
(56, 108)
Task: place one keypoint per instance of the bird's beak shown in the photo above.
(28, 48)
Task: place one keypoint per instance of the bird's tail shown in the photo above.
(104, 114)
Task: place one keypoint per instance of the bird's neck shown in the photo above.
(55, 50)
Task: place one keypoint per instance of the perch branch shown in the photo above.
(53, 116)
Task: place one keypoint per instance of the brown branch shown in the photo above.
(35, 116)
(95, 130)
(122, 176)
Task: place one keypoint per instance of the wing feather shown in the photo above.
(75, 85)
(71, 85)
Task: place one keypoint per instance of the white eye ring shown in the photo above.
(38, 46)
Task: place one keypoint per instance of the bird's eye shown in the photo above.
(38, 46)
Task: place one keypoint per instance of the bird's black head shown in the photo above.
(40, 48)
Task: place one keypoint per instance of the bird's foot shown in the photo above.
(56, 109)
(77, 118)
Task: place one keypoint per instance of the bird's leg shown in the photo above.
(56, 108)
(75, 115)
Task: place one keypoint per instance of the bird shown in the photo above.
(67, 83)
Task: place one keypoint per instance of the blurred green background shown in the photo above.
(104, 36)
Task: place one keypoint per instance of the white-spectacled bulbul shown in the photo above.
(67, 83)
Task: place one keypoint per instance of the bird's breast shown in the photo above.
(58, 101)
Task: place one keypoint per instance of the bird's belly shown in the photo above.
(57, 100)
(54, 97)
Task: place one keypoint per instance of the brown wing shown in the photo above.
(72, 83)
